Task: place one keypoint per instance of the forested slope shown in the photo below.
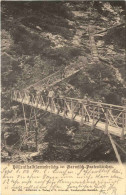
(42, 36)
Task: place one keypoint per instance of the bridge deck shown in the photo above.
(117, 131)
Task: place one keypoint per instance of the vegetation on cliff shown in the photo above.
(38, 38)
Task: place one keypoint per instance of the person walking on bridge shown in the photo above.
(44, 95)
(51, 95)
(86, 102)
(32, 94)
(56, 99)
(63, 71)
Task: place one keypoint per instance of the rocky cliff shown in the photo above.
(38, 38)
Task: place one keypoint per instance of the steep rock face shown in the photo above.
(42, 36)
(39, 37)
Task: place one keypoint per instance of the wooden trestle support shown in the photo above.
(31, 131)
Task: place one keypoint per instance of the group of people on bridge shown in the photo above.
(49, 96)
(55, 97)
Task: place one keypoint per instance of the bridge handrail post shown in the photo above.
(28, 95)
(99, 109)
(93, 118)
(22, 98)
(36, 101)
(51, 104)
(41, 99)
(47, 104)
(72, 110)
(25, 96)
(18, 95)
(33, 99)
(82, 114)
(107, 121)
(123, 123)
(64, 102)
(46, 101)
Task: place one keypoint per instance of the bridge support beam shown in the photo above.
(115, 149)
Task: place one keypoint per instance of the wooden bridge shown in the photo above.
(105, 117)
(109, 118)
(56, 77)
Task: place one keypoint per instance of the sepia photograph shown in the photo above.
(63, 82)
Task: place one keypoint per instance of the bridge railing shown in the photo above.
(57, 76)
(45, 81)
(78, 109)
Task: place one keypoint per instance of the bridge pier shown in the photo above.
(31, 129)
